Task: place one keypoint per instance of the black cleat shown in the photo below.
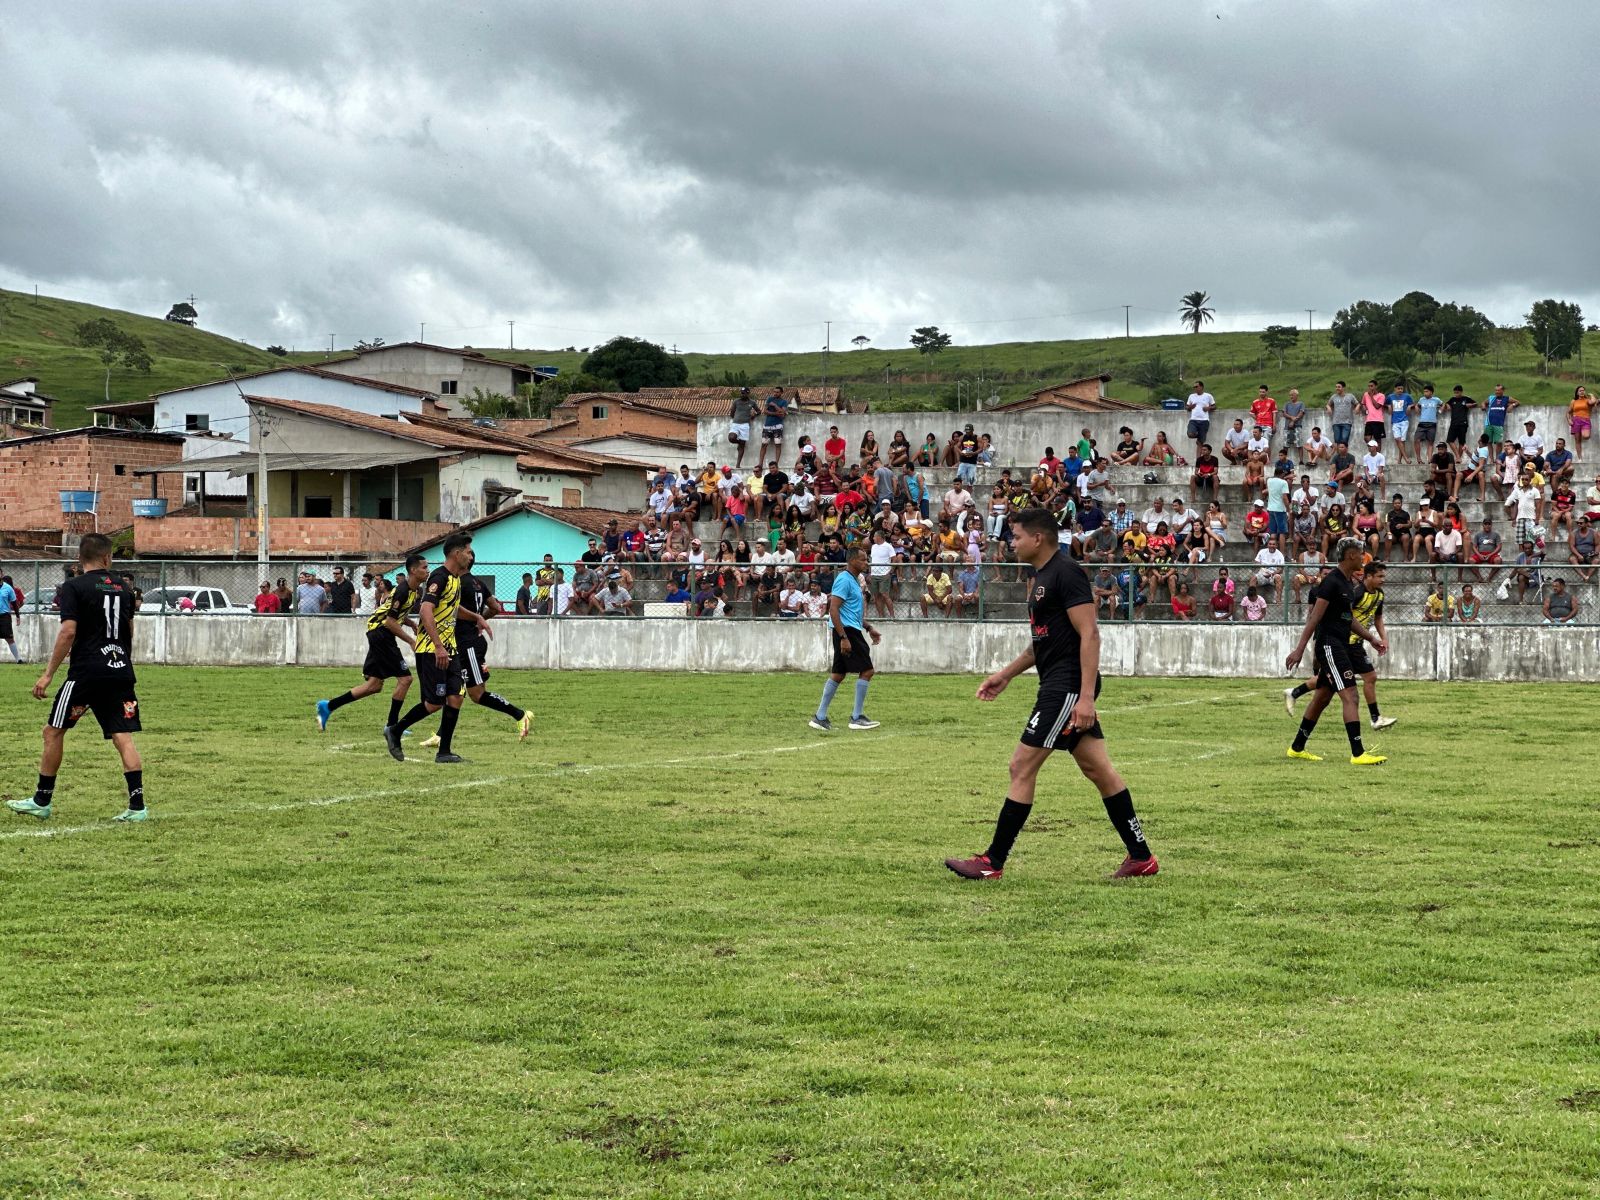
(448, 758)
(391, 739)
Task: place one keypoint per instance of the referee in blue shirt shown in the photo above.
(851, 653)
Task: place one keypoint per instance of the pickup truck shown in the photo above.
(208, 600)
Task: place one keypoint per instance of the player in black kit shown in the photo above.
(1332, 619)
(472, 650)
(96, 631)
(386, 629)
(1066, 652)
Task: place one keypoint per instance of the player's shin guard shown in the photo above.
(45, 792)
(394, 710)
(501, 705)
(339, 702)
(1120, 809)
(416, 714)
(1307, 726)
(447, 727)
(828, 689)
(1352, 730)
(861, 697)
(135, 781)
(1007, 826)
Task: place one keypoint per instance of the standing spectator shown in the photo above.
(341, 594)
(1278, 506)
(1460, 405)
(1427, 410)
(882, 556)
(1341, 408)
(776, 410)
(1578, 418)
(1200, 404)
(310, 597)
(1374, 408)
(1527, 503)
(524, 601)
(1264, 412)
(1495, 410)
(285, 596)
(1294, 416)
(266, 600)
(967, 454)
(1401, 406)
(544, 582)
(367, 594)
(740, 414)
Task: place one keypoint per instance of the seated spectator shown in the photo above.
(1468, 607)
(1342, 467)
(1373, 465)
(1447, 544)
(928, 456)
(1312, 567)
(1222, 597)
(1526, 571)
(806, 459)
(938, 590)
(1485, 549)
(1236, 443)
(899, 450)
(816, 600)
(766, 594)
(1473, 467)
(1560, 605)
(1254, 481)
(1284, 467)
(834, 447)
(1161, 452)
(1366, 527)
(1442, 469)
(1204, 477)
(966, 593)
(1133, 597)
(1254, 605)
(1256, 522)
(1582, 554)
(1107, 591)
(1305, 529)
(616, 600)
(1563, 502)
(1559, 464)
(1183, 607)
(1317, 449)
(1333, 527)
(676, 547)
(708, 600)
(1128, 449)
(1398, 538)
(1154, 515)
(1269, 568)
(1439, 607)
(677, 593)
(586, 588)
(792, 599)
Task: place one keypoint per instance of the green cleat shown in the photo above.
(27, 808)
(133, 814)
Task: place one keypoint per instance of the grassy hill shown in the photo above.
(36, 338)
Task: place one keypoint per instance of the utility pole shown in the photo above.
(1127, 329)
(422, 331)
(512, 335)
(330, 343)
(263, 521)
(1310, 331)
(827, 344)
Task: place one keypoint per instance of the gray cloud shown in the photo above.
(689, 171)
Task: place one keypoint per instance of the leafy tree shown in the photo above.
(1365, 330)
(929, 339)
(117, 349)
(731, 379)
(548, 394)
(635, 363)
(490, 404)
(860, 340)
(370, 344)
(1457, 329)
(1413, 313)
(278, 350)
(1556, 329)
(1196, 311)
(1397, 371)
(183, 313)
(1280, 338)
(1157, 374)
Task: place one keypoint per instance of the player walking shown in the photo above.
(849, 634)
(96, 631)
(436, 652)
(1334, 623)
(472, 651)
(1368, 609)
(1066, 652)
(387, 627)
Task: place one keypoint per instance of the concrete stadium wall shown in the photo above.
(1490, 653)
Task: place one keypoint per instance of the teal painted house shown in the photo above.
(516, 539)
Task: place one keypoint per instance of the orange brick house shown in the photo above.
(35, 470)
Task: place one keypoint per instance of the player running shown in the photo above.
(436, 652)
(387, 627)
(851, 654)
(1368, 609)
(1066, 652)
(1333, 620)
(472, 650)
(96, 631)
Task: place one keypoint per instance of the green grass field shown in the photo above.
(36, 338)
(678, 945)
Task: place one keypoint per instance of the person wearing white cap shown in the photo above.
(1372, 466)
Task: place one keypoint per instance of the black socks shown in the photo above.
(45, 790)
(1352, 730)
(447, 727)
(339, 702)
(1013, 817)
(394, 710)
(1373, 709)
(1300, 690)
(135, 789)
(1120, 809)
(501, 705)
(411, 718)
(1307, 726)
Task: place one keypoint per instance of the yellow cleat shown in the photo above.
(1367, 760)
(524, 725)
(1305, 754)
(433, 741)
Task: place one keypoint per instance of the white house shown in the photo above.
(444, 373)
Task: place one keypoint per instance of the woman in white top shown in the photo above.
(1216, 529)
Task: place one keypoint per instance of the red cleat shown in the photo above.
(1132, 866)
(976, 867)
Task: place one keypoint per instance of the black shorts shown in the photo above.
(1359, 662)
(111, 700)
(384, 660)
(471, 654)
(6, 634)
(1374, 431)
(438, 684)
(858, 660)
(1335, 669)
(1457, 434)
(1047, 727)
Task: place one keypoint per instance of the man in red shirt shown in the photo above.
(267, 600)
(1265, 411)
(834, 447)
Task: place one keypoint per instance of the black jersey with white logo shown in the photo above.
(102, 606)
(1058, 587)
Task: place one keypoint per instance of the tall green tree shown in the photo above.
(1279, 339)
(635, 363)
(1365, 331)
(930, 339)
(1555, 328)
(117, 349)
(1456, 329)
(1412, 315)
(183, 313)
(1157, 374)
(1196, 311)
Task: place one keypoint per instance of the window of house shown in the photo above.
(447, 387)
(197, 422)
(319, 506)
(120, 469)
(598, 412)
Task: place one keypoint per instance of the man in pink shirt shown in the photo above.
(1374, 405)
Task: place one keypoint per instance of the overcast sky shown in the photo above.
(729, 176)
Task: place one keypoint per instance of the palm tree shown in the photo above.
(1195, 311)
(1397, 371)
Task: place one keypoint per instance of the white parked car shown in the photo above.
(208, 600)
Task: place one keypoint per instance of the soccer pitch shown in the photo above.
(680, 945)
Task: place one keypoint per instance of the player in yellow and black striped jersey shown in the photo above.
(475, 607)
(1368, 609)
(386, 629)
(437, 669)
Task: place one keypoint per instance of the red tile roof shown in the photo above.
(1057, 396)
